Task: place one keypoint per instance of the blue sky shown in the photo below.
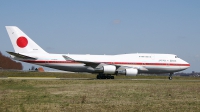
(107, 26)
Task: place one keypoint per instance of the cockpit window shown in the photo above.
(176, 56)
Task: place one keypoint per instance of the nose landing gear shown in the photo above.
(170, 76)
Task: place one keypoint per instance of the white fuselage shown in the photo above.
(27, 50)
(154, 63)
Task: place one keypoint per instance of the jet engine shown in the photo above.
(106, 69)
(129, 72)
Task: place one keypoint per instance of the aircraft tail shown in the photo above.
(21, 42)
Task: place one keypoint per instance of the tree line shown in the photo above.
(8, 63)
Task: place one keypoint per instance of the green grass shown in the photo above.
(45, 74)
(180, 94)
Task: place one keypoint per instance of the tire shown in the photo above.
(170, 78)
(97, 77)
(108, 77)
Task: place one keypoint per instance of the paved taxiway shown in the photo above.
(54, 78)
(45, 78)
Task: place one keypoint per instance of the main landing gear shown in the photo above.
(170, 76)
(103, 76)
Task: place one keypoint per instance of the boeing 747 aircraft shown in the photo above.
(26, 50)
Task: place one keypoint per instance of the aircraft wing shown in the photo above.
(18, 55)
(87, 63)
(100, 64)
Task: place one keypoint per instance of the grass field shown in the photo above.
(178, 95)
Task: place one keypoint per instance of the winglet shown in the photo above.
(68, 58)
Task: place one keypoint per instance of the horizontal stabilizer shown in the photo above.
(20, 55)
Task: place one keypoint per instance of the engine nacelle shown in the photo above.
(129, 72)
(107, 69)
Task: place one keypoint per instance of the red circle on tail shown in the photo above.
(22, 42)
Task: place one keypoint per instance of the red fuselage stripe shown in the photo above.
(117, 63)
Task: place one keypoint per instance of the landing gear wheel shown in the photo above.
(108, 77)
(98, 77)
(103, 76)
(170, 76)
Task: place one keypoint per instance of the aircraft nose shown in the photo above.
(185, 65)
(188, 65)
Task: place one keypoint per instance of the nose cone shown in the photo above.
(185, 65)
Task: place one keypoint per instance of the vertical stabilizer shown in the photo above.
(21, 42)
